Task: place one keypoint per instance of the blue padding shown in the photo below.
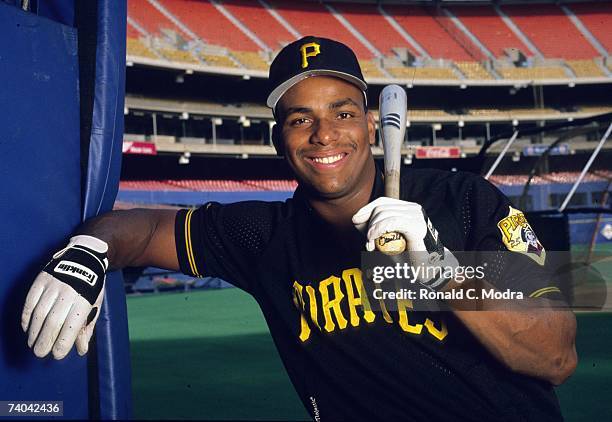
(197, 198)
(102, 184)
(61, 11)
(39, 195)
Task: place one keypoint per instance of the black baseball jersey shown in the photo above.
(347, 361)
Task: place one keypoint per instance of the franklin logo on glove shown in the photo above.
(62, 305)
(76, 270)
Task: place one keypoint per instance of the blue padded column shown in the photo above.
(40, 193)
(102, 183)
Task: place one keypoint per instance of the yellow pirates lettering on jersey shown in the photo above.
(337, 294)
(311, 49)
(518, 236)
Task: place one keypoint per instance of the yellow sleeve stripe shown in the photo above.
(188, 246)
(544, 291)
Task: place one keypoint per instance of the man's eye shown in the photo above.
(344, 115)
(299, 122)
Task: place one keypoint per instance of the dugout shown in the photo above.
(62, 63)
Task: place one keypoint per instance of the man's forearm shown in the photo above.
(534, 342)
(129, 235)
(528, 335)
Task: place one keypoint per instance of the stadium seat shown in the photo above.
(420, 24)
(251, 60)
(422, 73)
(473, 70)
(135, 47)
(596, 17)
(489, 28)
(371, 69)
(217, 60)
(543, 72)
(203, 19)
(539, 23)
(152, 20)
(176, 55)
(312, 18)
(585, 68)
(370, 23)
(255, 17)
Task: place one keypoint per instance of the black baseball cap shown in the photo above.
(312, 56)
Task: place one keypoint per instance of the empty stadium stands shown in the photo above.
(596, 18)
(540, 72)
(152, 19)
(422, 73)
(253, 15)
(251, 59)
(585, 68)
(473, 70)
(205, 20)
(551, 31)
(371, 24)
(391, 41)
(135, 47)
(419, 23)
(311, 18)
(489, 28)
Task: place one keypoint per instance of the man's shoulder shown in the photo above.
(416, 183)
(253, 209)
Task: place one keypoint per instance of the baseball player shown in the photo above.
(300, 259)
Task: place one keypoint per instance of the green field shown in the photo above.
(208, 355)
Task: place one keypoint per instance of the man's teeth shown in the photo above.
(328, 160)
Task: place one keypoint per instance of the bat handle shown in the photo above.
(391, 243)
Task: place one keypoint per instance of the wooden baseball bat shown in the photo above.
(392, 116)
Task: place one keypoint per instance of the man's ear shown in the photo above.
(371, 128)
(277, 140)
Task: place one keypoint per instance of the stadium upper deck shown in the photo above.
(451, 45)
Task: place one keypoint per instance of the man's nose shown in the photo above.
(325, 132)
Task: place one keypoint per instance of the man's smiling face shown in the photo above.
(326, 136)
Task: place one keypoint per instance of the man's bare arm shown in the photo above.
(529, 336)
(137, 237)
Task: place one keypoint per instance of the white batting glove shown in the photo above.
(63, 304)
(385, 215)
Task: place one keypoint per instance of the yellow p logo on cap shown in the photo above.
(311, 49)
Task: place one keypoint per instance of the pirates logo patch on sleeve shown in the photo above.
(518, 236)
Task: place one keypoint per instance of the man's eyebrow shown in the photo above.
(297, 109)
(342, 103)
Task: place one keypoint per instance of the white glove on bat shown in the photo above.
(63, 303)
(423, 244)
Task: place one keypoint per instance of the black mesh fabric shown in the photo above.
(225, 241)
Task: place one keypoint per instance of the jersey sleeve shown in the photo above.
(224, 241)
(515, 258)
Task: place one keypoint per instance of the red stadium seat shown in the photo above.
(490, 29)
(551, 31)
(597, 18)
